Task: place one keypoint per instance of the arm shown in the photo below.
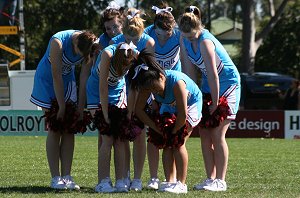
(141, 114)
(207, 49)
(84, 74)
(187, 66)
(131, 100)
(150, 45)
(56, 67)
(180, 94)
(103, 82)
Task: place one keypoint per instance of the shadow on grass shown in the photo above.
(40, 190)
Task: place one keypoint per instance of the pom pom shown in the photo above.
(218, 116)
(70, 121)
(167, 139)
(131, 128)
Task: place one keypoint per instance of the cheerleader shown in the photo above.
(55, 92)
(221, 91)
(112, 20)
(106, 86)
(180, 111)
(167, 48)
(133, 31)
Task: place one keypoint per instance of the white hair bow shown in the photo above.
(138, 68)
(192, 8)
(126, 46)
(158, 10)
(96, 40)
(133, 14)
(113, 5)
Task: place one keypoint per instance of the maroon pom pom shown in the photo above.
(167, 139)
(131, 128)
(70, 122)
(218, 116)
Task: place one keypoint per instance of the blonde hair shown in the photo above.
(133, 26)
(190, 20)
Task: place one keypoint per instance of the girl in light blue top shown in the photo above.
(55, 80)
(179, 95)
(221, 89)
(167, 53)
(106, 86)
(112, 20)
(133, 31)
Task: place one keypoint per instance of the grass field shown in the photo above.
(257, 168)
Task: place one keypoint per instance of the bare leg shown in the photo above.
(66, 152)
(181, 160)
(104, 156)
(153, 159)
(53, 154)
(119, 159)
(139, 154)
(126, 159)
(208, 153)
(221, 149)
(168, 164)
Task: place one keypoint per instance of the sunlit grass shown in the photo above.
(257, 168)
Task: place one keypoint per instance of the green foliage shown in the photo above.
(280, 51)
(257, 168)
(44, 18)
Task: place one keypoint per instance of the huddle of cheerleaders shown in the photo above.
(139, 83)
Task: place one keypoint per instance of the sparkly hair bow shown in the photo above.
(126, 46)
(113, 5)
(133, 14)
(96, 40)
(192, 8)
(138, 68)
(158, 10)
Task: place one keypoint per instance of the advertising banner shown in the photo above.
(292, 124)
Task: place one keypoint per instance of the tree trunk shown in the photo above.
(250, 40)
(248, 37)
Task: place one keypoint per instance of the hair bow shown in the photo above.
(96, 40)
(126, 46)
(192, 8)
(158, 10)
(112, 5)
(133, 14)
(138, 68)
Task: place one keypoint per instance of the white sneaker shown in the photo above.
(217, 185)
(136, 185)
(70, 184)
(153, 184)
(58, 183)
(127, 182)
(201, 186)
(164, 185)
(178, 188)
(105, 186)
(121, 186)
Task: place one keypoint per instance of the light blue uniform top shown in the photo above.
(116, 84)
(104, 40)
(168, 101)
(168, 54)
(43, 89)
(227, 71)
(141, 43)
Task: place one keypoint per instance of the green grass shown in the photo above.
(257, 168)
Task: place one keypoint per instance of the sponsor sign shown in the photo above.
(26, 122)
(292, 124)
(255, 124)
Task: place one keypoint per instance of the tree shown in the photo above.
(252, 40)
(282, 56)
(44, 18)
